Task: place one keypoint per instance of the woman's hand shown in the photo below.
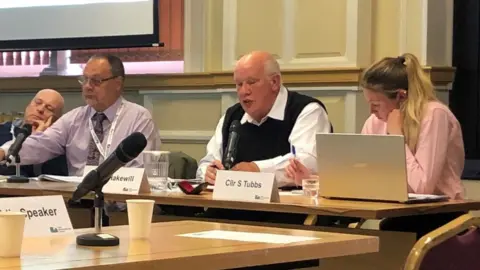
(395, 123)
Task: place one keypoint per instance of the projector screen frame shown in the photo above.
(86, 43)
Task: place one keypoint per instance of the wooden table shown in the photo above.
(166, 250)
(392, 254)
(288, 203)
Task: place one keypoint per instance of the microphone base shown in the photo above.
(97, 240)
(17, 179)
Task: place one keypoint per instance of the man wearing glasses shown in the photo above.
(89, 134)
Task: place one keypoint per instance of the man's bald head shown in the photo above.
(46, 103)
(258, 79)
(260, 60)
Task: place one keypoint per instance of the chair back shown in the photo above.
(456, 245)
(182, 166)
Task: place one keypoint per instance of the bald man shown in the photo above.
(44, 109)
(272, 120)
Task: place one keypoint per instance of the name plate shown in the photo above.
(245, 186)
(44, 215)
(126, 180)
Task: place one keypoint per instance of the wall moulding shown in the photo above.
(215, 80)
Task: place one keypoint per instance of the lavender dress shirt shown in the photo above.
(70, 135)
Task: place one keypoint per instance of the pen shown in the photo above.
(294, 153)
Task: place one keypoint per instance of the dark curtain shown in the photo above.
(465, 95)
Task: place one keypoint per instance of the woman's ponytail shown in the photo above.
(420, 92)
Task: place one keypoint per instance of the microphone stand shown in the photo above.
(98, 239)
(17, 178)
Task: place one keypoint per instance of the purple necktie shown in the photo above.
(93, 153)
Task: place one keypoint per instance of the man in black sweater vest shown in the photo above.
(44, 109)
(272, 120)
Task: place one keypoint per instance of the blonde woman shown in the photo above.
(402, 102)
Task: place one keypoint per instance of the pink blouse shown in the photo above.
(437, 164)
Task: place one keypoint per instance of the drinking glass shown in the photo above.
(311, 186)
(156, 168)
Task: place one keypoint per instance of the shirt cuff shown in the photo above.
(267, 165)
(202, 169)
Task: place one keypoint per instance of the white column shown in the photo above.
(426, 30)
(194, 35)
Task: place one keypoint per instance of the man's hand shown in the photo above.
(211, 173)
(41, 126)
(2, 154)
(297, 171)
(246, 167)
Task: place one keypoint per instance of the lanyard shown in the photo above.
(110, 134)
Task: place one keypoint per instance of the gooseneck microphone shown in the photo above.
(231, 150)
(21, 134)
(126, 151)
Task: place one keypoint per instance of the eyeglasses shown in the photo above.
(82, 80)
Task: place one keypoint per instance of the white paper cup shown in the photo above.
(140, 218)
(12, 225)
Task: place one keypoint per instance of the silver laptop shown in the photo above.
(365, 167)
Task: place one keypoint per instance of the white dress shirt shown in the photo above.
(312, 119)
(7, 144)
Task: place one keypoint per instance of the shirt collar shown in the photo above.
(276, 112)
(110, 111)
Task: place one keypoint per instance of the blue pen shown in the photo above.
(293, 151)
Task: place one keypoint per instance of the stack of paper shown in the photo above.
(58, 178)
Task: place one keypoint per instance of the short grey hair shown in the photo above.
(116, 64)
(271, 67)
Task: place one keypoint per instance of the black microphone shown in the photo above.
(231, 150)
(126, 151)
(21, 133)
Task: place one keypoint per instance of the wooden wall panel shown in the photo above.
(171, 23)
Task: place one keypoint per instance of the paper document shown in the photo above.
(425, 196)
(250, 237)
(58, 178)
(173, 180)
(291, 193)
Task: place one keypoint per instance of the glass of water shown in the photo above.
(311, 186)
(156, 168)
